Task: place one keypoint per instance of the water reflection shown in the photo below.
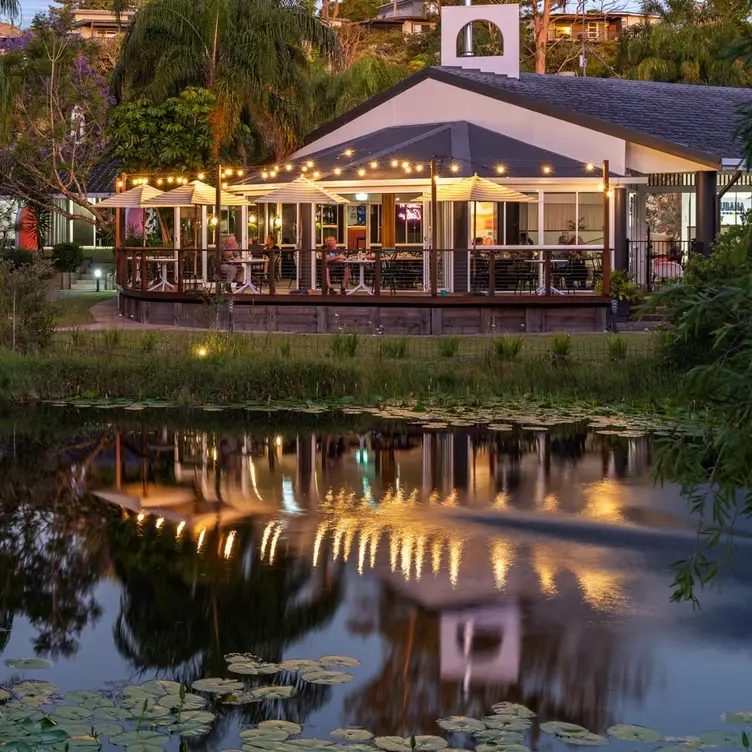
(292, 544)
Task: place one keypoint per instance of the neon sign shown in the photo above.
(410, 212)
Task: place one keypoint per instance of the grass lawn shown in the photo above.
(73, 308)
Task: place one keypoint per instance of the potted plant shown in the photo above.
(624, 294)
(66, 258)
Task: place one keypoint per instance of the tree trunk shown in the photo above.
(325, 12)
(336, 10)
(541, 19)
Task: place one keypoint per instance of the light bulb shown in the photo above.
(500, 169)
(419, 168)
(395, 163)
(304, 169)
(171, 179)
(264, 174)
(159, 181)
(374, 165)
(405, 164)
(288, 167)
(361, 172)
(239, 173)
(337, 171)
(201, 176)
(348, 152)
(408, 169)
(309, 163)
(316, 174)
(454, 168)
(546, 169)
(589, 166)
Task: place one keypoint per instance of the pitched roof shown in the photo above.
(694, 122)
(472, 148)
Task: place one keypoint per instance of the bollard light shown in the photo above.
(97, 276)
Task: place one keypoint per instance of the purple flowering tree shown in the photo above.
(54, 111)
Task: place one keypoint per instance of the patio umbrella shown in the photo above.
(195, 194)
(302, 191)
(135, 198)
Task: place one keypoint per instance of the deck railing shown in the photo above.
(654, 263)
(484, 271)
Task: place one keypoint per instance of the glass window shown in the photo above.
(520, 222)
(375, 224)
(289, 227)
(409, 224)
(734, 206)
(327, 222)
(559, 218)
(589, 219)
(255, 224)
(483, 223)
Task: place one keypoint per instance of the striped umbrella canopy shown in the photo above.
(196, 193)
(475, 188)
(135, 198)
(302, 191)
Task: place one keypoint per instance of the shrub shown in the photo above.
(18, 258)
(561, 347)
(26, 315)
(344, 344)
(508, 348)
(617, 347)
(449, 347)
(622, 287)
(394, 348)
(67, 257)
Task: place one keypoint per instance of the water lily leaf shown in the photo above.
(507, 723)
(35, 689)
(721, 738)
(108, 729)
(152, 711)
(403, 744)
(4, 695)
(111, 714)
(352, 735)
(326, 677)
(312, 743)
(460, 724)
(270, 745)
(628, 733)
(501, 738)
(513, 709)
(242, 657)
(303, 664)
(253, 669)
(18, 746)
(264, 733)
(687, 746)
(132, 739)
(242, 698)
(190, 728)
(77, 729)
(80, 744)
(583, 740)
(286, 726)
(274, 693)
(24, 664)
(494, 747)
(339, 660)
(70, 713)
(166, 687)
(559, 728)
(81, 696)
(742, 716)
(189, 701)
(218, 686)
(17, 714)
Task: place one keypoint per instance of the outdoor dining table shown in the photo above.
(361, 262)
(161, 283)
(247, 265)
(541, 289)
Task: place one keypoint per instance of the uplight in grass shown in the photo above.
(201, 352)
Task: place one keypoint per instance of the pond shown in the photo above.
(374, 574)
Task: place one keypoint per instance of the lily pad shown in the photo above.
(81, 697)
(512, 709)
(190, 728)
(507, 723)
(326, 677)
(111, 714)
(740, 717)
(35, 689)
(628, 733)
(241, 698)
(286, 726)
(721, 738)
(264, 733)
(460, 724)
(560, 728)
(138, 739)
(242, 658)
(583, 740)
(70, 713)
(303, 664)
(499, 737)
(404, 744)
(108, 729)
(218, 686)
(311, 743)
(352, 735)
(4, 695)
(281, 692)
(189, 701)
(339, 660)
(253, 669)
(24, 664)
(82, 743)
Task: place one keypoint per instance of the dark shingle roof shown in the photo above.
(472, 148)
(694, 122)
(696, 117)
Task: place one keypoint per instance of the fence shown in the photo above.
(484, 271)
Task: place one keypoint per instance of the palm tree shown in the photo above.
(253, 55)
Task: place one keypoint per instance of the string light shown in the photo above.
(454, 168)
(119, 183)
(348, 152)
(395, 163)
(309, 163)
(405, 165)
(317, 174)
(304, 169)
(337, 171)
(239, 173)
(224, 186)
(589, 166)
(547, 169)
(361, 172)
(408, 169)
(374, 165)
(501, 169)
(419, 168)
(171, 179)
(201, 176)
(160, 181)
(264, 174)
(288, 167)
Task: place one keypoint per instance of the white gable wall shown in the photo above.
(433, 101)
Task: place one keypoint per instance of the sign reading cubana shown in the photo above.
(734, 207)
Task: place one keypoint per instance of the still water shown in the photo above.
(461, 568)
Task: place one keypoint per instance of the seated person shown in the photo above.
(335, 263)
(227, 270)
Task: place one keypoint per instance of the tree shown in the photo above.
(55, 108)
(252, 55)
(172, 135)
